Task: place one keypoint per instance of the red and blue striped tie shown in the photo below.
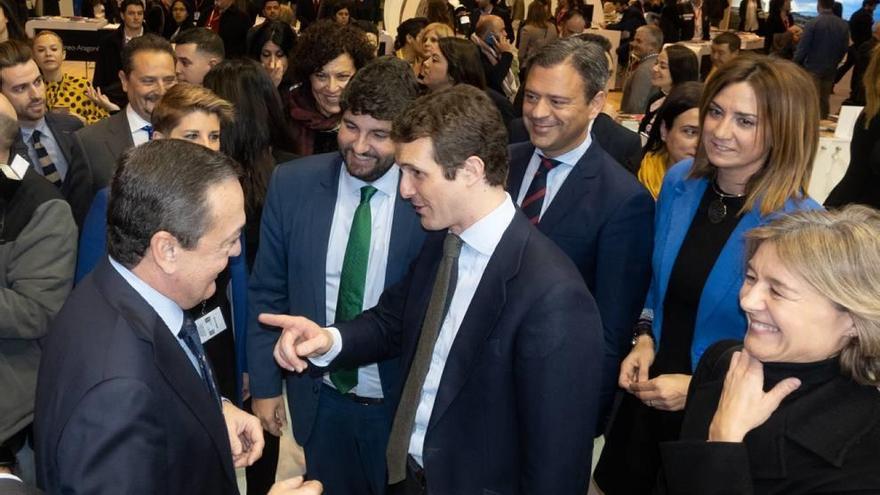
(534, 200)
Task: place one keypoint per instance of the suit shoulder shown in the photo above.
(98, 129)
(519, 149)
(548, 262)
(678, 172)
(308, 168)
(621, 183)
(64, 122)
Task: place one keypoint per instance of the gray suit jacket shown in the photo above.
(637, 89)
(102, 144)
(14, 487)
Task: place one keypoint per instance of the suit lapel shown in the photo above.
(684, 206)
(576, 186)
(482, 314)
(320, 219)
(170, 358)
(119, 136)
(520, 154)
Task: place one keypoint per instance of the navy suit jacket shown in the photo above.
(603, 219)
(77, 185)
(289, 275)
(120, 407)
(516, 405)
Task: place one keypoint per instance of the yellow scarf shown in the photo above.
(652, 170)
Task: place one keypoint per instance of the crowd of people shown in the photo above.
(455, 263)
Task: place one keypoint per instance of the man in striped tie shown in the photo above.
(46, 138)
(579, 196)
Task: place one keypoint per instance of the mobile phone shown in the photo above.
(490, 40)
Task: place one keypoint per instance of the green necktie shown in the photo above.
(353, 279)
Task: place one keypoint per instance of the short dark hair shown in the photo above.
(410, 27)
(682, 98)
(826, 4)
(322, 42)
(277, 32)
(382, 89)
(14, 52)
(461, 122)
(463, 63)
(162, 185)
(126, 3)
(206, 41)
(600, 40)
(683, 64)
(146, 43)
(730, 39)
(586, 57)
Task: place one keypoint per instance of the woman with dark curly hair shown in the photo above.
(271, 46)
(326, 57)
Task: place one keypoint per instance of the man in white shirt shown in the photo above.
(500, 337)
(147, 72)
(323, 213)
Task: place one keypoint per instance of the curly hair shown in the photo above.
(322, 42)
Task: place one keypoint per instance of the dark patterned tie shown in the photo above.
(441, 297)
(50, 172)
(534, 198)
(149, 129)
(190, 336)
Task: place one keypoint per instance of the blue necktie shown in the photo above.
(149, 130)
(190, 336)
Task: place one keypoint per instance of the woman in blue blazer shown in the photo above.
(753, 164)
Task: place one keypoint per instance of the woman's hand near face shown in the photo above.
(665, 392)
(636, 364)
(744, 405)
(276, 70)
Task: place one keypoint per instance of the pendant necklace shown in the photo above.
(717, 208)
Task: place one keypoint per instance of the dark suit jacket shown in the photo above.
(77, 185)
(234, 25)
(515, 408)
(120, 407)
(13, 487)
(289, 274)
(107, 66)
(603, 219)
(306, 13)
(621, 143)
(102, 144)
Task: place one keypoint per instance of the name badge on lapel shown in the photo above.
(210, 325)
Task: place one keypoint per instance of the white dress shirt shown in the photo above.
(348, 197)
(479, 242)
(168, 310)
(47, 139)
(136, 125)
(557, 176)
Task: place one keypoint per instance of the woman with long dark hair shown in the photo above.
(272, 45)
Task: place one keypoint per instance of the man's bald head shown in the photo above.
(489, 23)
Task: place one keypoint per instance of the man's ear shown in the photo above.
(123, 80)
(165, 250)
(473, 170)
(597, 104)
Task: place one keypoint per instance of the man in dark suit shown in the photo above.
(497, 333)
(307, 12)
(126, 401)
(232, 24)
(109, 59)
(578, 196)
(147, 72)
(308, 243)
(46, 139)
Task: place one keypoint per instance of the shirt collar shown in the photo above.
(485, 234)
(572, 157)
(10, 476)
(387, 184)
(41, 126)
(168, 310)
(135, 122)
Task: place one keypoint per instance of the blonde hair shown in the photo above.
(47, 32)
(442, 30)
(788, 120)
(183, 99)
(838, 254)
(871, 81)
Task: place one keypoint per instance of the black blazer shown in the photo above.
(107, 66)
(823, 438)
(603, 219)
(234, 25)
(516, 406)
(120, 407)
